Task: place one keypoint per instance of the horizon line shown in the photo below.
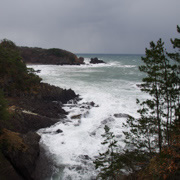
(113, 53)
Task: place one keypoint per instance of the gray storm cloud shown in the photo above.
(89, 26)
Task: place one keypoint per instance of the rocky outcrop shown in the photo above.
(29, 113)
(25, 122)
(39, 110)
(27, 105)
(49, 56)
(7, 171)
(22, 152)
(122, 115)
(96, 61)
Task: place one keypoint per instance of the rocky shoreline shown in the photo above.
(28, 105)
(30, 113)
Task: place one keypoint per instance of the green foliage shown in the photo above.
(14, 76)
(146, 132)
(61, 53)
(4, 115)
(106, 162)
(159, 114)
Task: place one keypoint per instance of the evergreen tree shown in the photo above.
(148, 129)
(160, 112)
(106, 162)
(175, 56)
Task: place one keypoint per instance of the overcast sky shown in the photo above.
(89, 26)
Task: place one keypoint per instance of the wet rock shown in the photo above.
(38, 71)
(7, 172)
(24, 153)
(72, 101)
(122, 115)
(119, 136)
(76, 116)
(85, 157)
(81, 60)
(92, 104)
(76, 167)
(59, 131)
(23, 122)
(88, 105)
(93, 133)
(45, 167)
(86, 114)
(96, 61)
(110, 119)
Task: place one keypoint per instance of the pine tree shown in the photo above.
(146, 132)
(159, 114)
(175, 56)
(107, 161)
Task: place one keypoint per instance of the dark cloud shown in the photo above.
(89, 26)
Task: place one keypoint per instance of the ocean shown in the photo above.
(108, 93)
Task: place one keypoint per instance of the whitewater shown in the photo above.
(107, 93)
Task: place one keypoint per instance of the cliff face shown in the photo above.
(26, 105)
(19, 142)
(49, 56)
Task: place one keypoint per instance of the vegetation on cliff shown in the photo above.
(49, 56)
(4, 114)
(14, 75)
(26, 105)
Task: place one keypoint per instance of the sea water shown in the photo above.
(112, 87)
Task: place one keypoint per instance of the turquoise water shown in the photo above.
(121, 66)
(113, 88)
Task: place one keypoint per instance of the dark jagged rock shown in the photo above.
(110, 119)
(44, 168)
(76, 116)
(24, 122)
(23, 152)
(49, 56)
(59, 131)
(31, 105)
(122, 115)
(30, 112)
(7, 172)
(53, 93)
(41, 109)
(81, 59)
(96, 61)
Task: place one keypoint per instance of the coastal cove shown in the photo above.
(54, 113)
(108, 95)
(31, 113)
(90, 90)
(26, 105)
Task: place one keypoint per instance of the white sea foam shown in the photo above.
(110, 87)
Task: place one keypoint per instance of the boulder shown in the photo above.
(122, 115)
(78, 116)
(81, 60)
(59, 131)
(22, 151)
(96, 61)
(7, 172)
